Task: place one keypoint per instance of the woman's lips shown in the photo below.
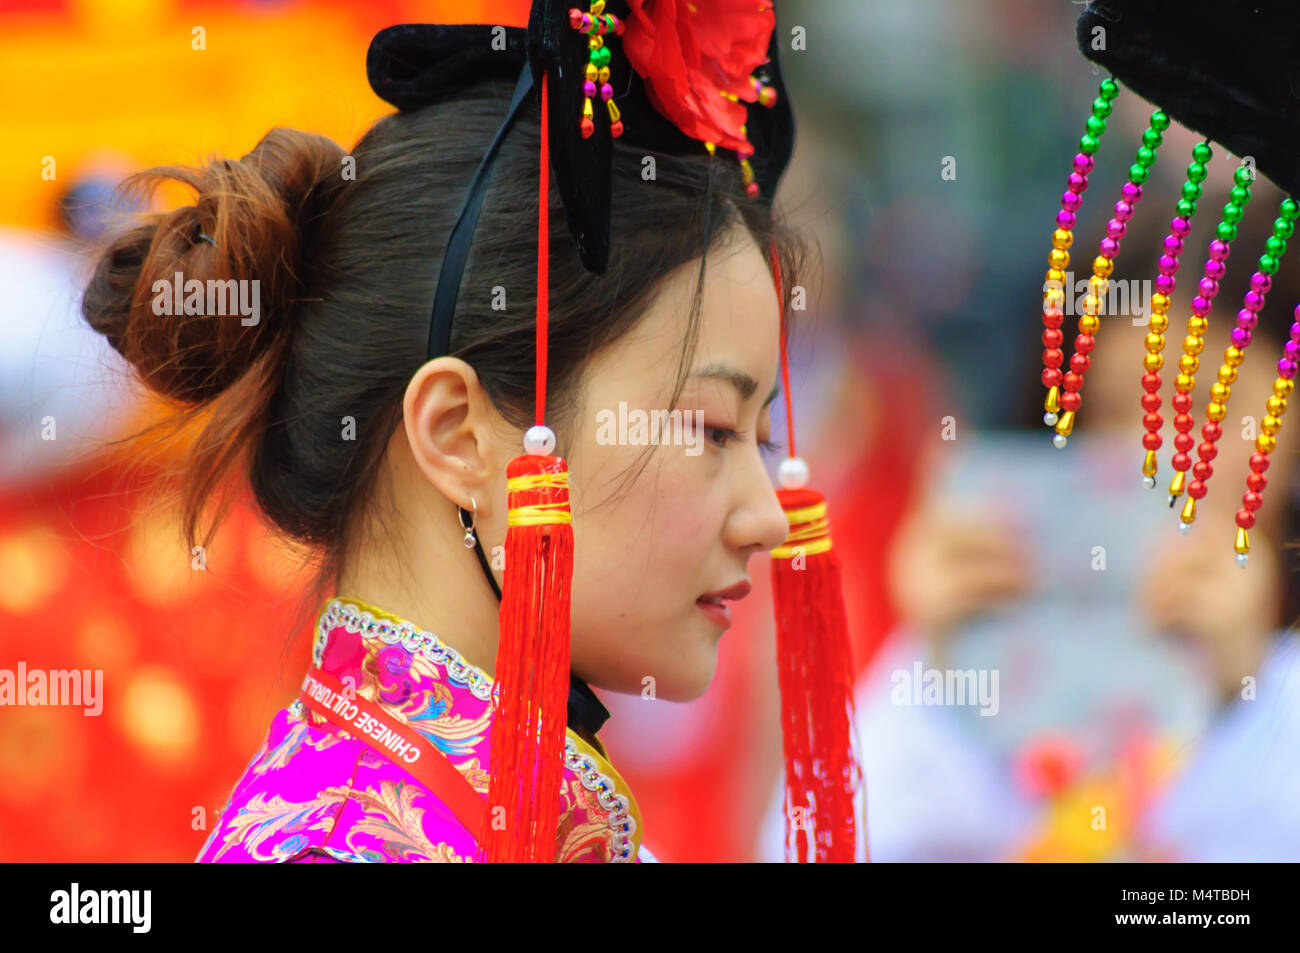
(719, 613)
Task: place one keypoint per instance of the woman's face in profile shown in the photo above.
(703, 505)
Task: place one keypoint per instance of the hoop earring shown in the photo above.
(470, 540)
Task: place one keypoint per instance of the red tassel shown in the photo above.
(815, 668)
(532, 673)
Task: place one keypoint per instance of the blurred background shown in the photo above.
(1146, 692)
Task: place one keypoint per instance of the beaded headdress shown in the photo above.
(1227, 72)
(670, 78)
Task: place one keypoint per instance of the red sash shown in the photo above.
(398, 742)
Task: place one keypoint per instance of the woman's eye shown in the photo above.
(714, 433)
(768, 446)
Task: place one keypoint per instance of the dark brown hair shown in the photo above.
(347, 267)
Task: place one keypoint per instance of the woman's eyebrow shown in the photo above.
(737, 378)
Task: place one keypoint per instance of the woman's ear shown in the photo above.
(449, 422)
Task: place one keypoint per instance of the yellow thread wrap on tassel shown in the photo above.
(812, 535)
(538, 513)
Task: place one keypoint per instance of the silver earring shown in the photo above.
(470, 541)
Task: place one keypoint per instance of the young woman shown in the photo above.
(391, 461)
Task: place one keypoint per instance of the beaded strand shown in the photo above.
(1247, 319)
(1062, 238)
(596, 23)
(1102, 267)
(1194, 343)
(1266, 442)
(1165, 283)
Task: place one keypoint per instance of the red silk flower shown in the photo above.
(689, 53)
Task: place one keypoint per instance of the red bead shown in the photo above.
(1245, 519)
(616, 130)
(1053, 357)
(1152, 441)
(1084, 343)
(1052, 319)
(575, 18)
(1211, 431)
(1259, 462)
(1183, 422)
(1207, 450)
(1071, 399)
(1079, 363)
(588, 127)
(1151, 382)
(1197, 489)
(1202, 470)
(1073, 381)
(1182, 403)
(1252, 501)
(1183, 442)
(1151, 402)
(1256, 482)
(1053, 338)
(1051, 377)
(1152, 421)
(1181, 461)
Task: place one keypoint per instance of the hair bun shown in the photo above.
(251, 223)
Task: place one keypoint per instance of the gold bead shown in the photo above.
(1149, 464)
(1089, 323)
(1065, 424)
(1283, 386)
(1053, 402)
(1177, 483)
(1092, 305)
(1061, 238)
(603, 75)
(1265, 443)
(1189, 511)
(1154, 342)
(1277, 406)
(1058, 258)
(1159, 303)
(1243, 541)
(1098, 285)
(1197, 326)
(1193, 344)
(1184, 383)
(1153, 362)
(1159, 323)
(1234, 356)
(1054, 298)
(1101, 265)
(1055, 276)
(1270, 424)
(1215, 411)
(1219, 392)
(1227, 374)
(1188, 364)
(591, 72)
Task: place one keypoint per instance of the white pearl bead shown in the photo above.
(1050, 419)
(1241, 560)
(1059, 441)
(539, 441)
(792, 473)
(1148, 482)
(1184, 528)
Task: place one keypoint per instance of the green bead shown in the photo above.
(1202, 152)
(1109, 89)
(1152, 139)
(1196, 172)
(1159, 120)
(1088, 145)
(1191, 191)
(1137, 174)
(1096, 126)
(1226, 232)
(1244, 175)
(1290, 209)
(1239, 196)
(1232, 213)
(1146, 157)
(1276, 246)
(1186, 208)
(1283, 228)
(1268, 264)
(1101, 108)
(603, 55)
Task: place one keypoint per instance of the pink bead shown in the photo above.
(1254, 301)
(1219, 250)
(1165, 284)
(1241, 337)
(1115, 228)
(1292, 350)
(1109, 248)
(589, 89)
(1173, 245)
(1295, 331)
(1208, 287)
(606, 91)
(1070, 201)
(1168, 265)
(1297, 312)
(1077, 183)
(1123, 211)
(1132, 192)
(1260, 282)
(1247, 319)
(1286, 368)
(1180, 226)
(1200, 307)
(1065, 219)
(1083, 163)
(1215, 269)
